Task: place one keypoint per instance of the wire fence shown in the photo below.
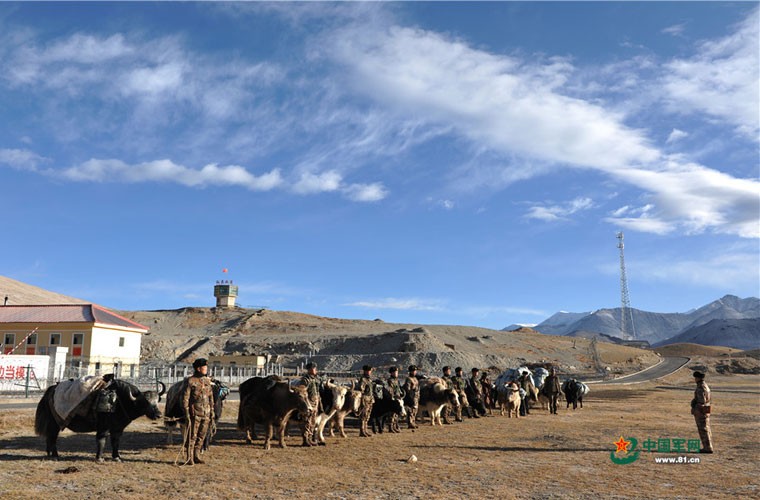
(27, 383)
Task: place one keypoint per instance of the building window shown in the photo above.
(121, 341)
(97, 368)
(55, 339)
(131, 371)
(9, 342)
(31, 343)
(77, 341)
(42, 350)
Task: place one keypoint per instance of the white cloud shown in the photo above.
(318, 183)
(721, 79)
(96, 170)
(676, 135)
(20, 159)
(513, 107)
(675, 30)
(559, 212)
(409, 304)
(727, 270)
(366, 192)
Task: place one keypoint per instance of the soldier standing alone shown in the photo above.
(308, 422)
(198, 405)
(366, 388)
(412, 388)
(701, 407)
(552, 390)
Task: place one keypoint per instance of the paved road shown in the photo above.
(665, 367)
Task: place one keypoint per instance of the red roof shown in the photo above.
(70, 313)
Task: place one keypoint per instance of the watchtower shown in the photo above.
(225, 293)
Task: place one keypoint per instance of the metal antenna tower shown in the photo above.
(625, 302)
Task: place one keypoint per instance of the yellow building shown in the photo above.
(99, 340)
(238, 360)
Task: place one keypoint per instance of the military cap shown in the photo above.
(475, 370)
(310, 365)
(392, 369)
(200, 362)
(412, 368)
(699, 375)
(458, 369)
(446, 368)
(366, 368)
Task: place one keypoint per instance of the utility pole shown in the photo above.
(626, 313)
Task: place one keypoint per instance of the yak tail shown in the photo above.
(43, 418)
(241, 417)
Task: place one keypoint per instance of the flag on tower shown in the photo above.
(224, 270)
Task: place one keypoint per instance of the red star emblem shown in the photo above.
(622, 445)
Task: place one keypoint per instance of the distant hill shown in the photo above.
(736, 333)
(657, 327)
(22, 294)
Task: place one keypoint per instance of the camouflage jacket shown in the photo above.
(447, 379)
(312, 386)
(458, 382)
(702, 397)
(366, 388)
(412, 388)
(394, 386)
(198, 397)
(476, 387)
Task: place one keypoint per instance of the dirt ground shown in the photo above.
(540, 456)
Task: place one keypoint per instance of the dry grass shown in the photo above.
(542, 456)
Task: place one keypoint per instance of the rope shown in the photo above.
(187, 439)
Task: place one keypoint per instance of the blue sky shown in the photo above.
(442, 163)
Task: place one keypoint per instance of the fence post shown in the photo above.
(26, 389)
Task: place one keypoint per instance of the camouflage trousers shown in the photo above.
(364, 414)
(308, 426)
(703, 427)
(197, 430)
(411, 417)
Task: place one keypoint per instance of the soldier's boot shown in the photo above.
(197, 456)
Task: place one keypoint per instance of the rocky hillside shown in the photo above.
(343, 344)
(736, 333)
(19, 293)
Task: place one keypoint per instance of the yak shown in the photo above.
(129, 404)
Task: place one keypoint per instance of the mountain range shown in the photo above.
(729, 321)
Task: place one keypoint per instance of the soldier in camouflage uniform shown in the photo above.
(310, 380)
(412, 389)
(394, 387)
(366, 388)
(198, 405)
(701, 406)
(446, 413)
(458, 382)
(477, 390)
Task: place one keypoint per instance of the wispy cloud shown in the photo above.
(20, 159)
(405, 304)
(551, 213)
(514, 107)
(721, 79)
(676, 135)
(675, 29)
